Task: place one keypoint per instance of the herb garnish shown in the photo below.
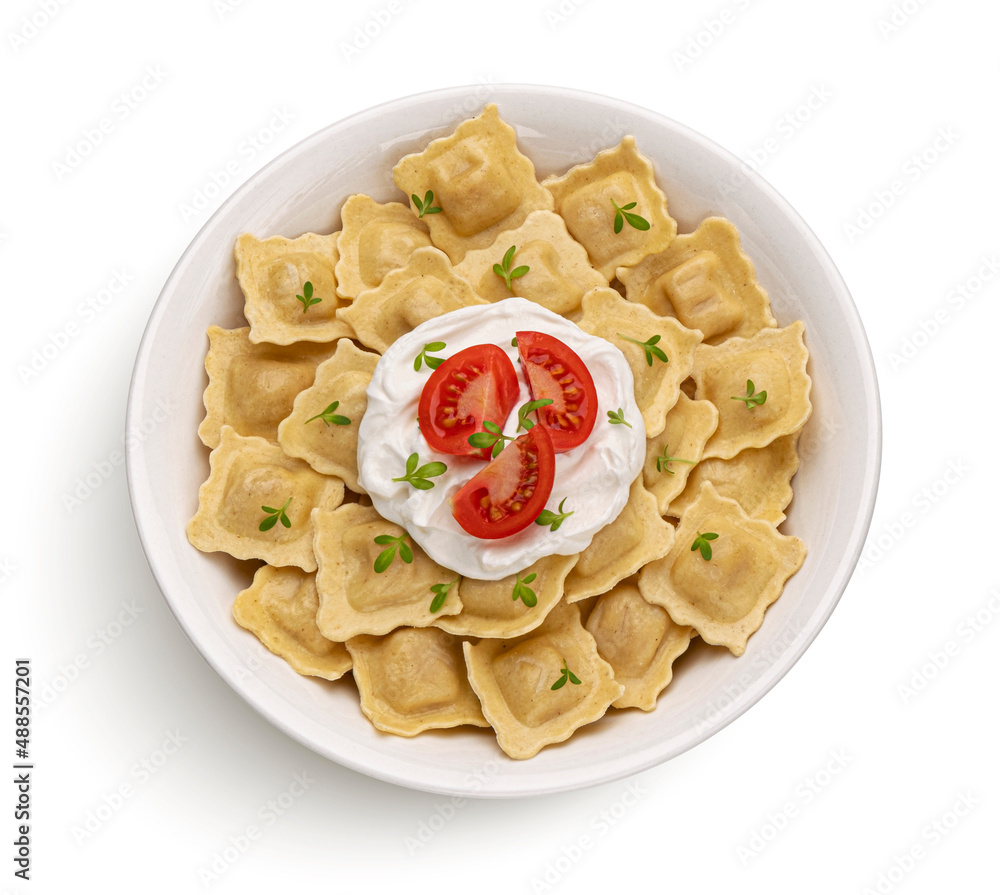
(385, 558)
(634, 220)
(752, 400)
(528, 407)
(664, 460)
(702, 543)
(617, 418)
(307, 296)
(649, 346)
(494, 438)
(329, 416)
(503, 270)
(524, 593)
(425, 357)
(418, 477)
(553, 520)
(425, 207)
(440, 592)
(567, 675)
(274, 515)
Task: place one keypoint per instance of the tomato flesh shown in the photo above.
(474, 385)
(507, 495)
(555, 371)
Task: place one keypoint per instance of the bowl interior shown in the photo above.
(303, 190)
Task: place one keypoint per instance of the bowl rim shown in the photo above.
(835, 589)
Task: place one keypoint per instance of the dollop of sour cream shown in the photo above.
(593, 477)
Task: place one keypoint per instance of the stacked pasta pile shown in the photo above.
(696, 551)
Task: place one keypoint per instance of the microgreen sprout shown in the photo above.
(617, 418)
(385, 558)
(649, 346)
(425, 358)
(425, 207)
(493, 438)
(307, 297)
(664, 460)
(702, 543)
(329, 416)
(752, 400)
(623, 214)
(503, 270)
(418, 476)
(273, 516)
(440, 592)
(529, 407)
(566, 675)
(553, 520)
(524, 593)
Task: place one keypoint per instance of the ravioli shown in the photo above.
(253, 489)
(280, 609)
(706, 281)
(325, 441)
(723, 597)
(273, 272)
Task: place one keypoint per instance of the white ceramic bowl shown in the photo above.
(303, 190)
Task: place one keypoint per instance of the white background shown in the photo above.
(840, 780)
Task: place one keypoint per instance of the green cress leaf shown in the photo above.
(418, 476)
(649, 346)
(617, 418)
(524, 593)
(623, 215)
(664, 460)
(425, 357)
(503, 270)
(274, 515)
(425, 207)
(702, 543)
(440, 592)
(566, 675)
(529, 407)
(307, 296)
(752, 400)
(329, 417)
(553, 520)
(385, 558)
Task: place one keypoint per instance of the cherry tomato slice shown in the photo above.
(471, 386)
(555, 371)
(507, 495)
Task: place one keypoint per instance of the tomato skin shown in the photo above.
(473, 385)
(508, 479)
(556, 371)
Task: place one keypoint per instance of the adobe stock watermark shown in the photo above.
(225, 8)
(377, 22)
(941, 658)
(932, 834)
(96, 645)
(956, 299)
(445, 812)
(34, 23)
(898, 17)
(141, 773)
(926, 499)
(600, 825)
(87, 311)
(560, 12)
(267, 816)
(123, 106)
(609, 136)
(804, 794)
(7, 569)
(217, 184)
(913, 170)
(472, 103)
(712, 28)
(786, 127)
(87, 484)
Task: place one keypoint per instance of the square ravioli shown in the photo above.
(671, 456)
(637, 536)
(556, 270)
(425, 288)
(645, 339)
(375, 239)
(280, 609)
(758, 479)
(356, 596)
(289, 288)
(706, 281)
(722, 585)
(256, 503)
(480, 181)
(613, 207)
(498, 608)
(640, 641)
(252, 387)
(760, 386)
(539, 688)
(413, 680)
(322, 428)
